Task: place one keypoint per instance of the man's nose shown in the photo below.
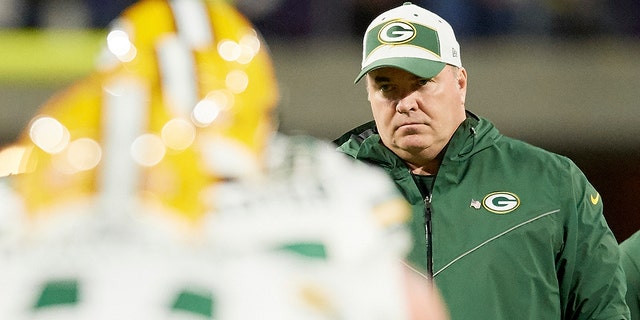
(407, 103)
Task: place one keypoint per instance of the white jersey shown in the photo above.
(301, 242)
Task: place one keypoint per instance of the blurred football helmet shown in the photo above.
(168, 132)
(182, 97)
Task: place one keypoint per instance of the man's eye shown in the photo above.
(423, 82)
(385, 87)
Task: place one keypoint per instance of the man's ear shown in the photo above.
(461, 78)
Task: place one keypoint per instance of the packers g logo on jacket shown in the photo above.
(501, 202)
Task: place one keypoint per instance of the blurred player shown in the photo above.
(157, 188)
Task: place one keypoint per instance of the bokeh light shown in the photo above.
(119, 44)
(250, 46)
(148, 150)
(84, 154)
(206, 111)
(178, 134)
(49, 134)
(229, 50)
(237, 81)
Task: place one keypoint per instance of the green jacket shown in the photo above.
(631, 265)
(517, 232)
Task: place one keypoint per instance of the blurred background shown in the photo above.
(560, 74)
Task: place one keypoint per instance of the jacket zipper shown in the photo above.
(428, 234)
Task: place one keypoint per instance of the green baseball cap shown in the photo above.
(410, 38)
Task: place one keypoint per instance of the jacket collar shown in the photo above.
(363, 143)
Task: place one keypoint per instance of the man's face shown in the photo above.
(417, 116)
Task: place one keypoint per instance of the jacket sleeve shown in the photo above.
(631, 265)
(591, 278)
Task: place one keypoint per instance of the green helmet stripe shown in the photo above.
(307, 249)
(58, 292)
(199, 303)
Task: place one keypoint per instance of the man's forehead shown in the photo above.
(391, 73)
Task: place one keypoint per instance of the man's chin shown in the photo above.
(412, 142)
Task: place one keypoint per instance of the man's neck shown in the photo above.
(426, 167)
(426, 170)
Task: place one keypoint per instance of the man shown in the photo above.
(506, 230)
(157, 188)
(631, 264)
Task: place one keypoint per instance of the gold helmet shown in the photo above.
(182, 97)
